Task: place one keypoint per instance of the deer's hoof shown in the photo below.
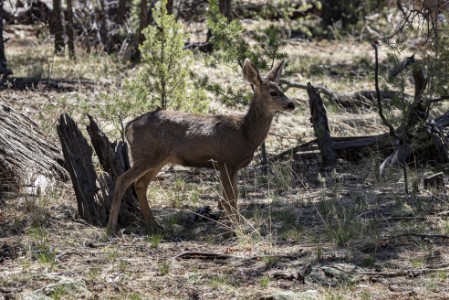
(111, 229)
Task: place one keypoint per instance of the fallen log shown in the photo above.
(30, 163)
(360, 99)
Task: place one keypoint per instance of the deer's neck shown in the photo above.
(256, 123)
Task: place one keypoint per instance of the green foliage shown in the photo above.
(163, 78)
(164, 267)
(155, 240)
(231, 48)
(40, 248)
(228, 39)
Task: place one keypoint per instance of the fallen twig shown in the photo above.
(409, 272)
(212, 255)
(204, 255)
(421, 235)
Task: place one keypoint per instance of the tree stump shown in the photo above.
(321, 127)
(30, 162)
(94, 190)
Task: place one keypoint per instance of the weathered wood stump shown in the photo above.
(93, 189)
(321, 127)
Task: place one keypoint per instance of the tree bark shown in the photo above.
(104, 28)
(69, 30)
(321, 127)
(79, 164)
(143, 20)
(94, 200)
(120, 17)
(226, 9)
(58, 28)
(170, 7)
(3, 63)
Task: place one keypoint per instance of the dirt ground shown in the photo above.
(308, 234)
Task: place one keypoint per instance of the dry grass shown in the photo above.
(297, 215)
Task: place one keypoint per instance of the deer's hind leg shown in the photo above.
(141, 186)
(122, 184)
(228, 178)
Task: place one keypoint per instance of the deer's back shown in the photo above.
(189, 139)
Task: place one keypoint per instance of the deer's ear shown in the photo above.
(251, 73)
(275, 74)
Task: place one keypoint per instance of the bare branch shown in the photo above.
(379, 96)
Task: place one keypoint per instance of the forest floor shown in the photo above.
(308, 234)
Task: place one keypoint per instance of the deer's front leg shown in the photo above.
(141, 186)
(121, 185)
(228, 178)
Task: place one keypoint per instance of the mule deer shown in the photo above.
(226, 143)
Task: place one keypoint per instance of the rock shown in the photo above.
(76, 288)
(289, 295)
(70, 286)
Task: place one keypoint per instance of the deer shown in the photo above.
(223, 142)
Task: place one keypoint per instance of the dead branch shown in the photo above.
(321, 127)
(420, 235)
(379, 96)
(204, 255)
(350, 100)
(349, 148)
(212, 255)
(409, 273)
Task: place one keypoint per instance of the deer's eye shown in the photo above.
(273, 93)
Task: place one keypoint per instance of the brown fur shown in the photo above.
(226, 143)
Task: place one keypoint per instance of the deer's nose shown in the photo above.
(290, 106)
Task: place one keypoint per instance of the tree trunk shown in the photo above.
(335, 10)
(120, 18)
(3, 63)
(143, 20)
(102, 20)
(170, 7)
(226, 9)
(321, 127)
(69, 30)
(58, 29)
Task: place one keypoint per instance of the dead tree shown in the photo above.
(418, 138)
(30, 163)
(321, 127)
(3, 63)
(70, 31)
(94, 191)
(57, 27)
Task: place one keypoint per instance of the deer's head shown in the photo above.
(271, 96)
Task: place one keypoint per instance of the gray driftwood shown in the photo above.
(29, 161)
